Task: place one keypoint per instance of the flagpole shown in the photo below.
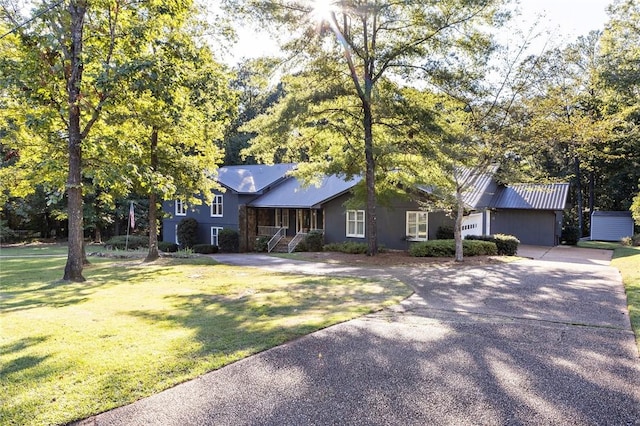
(126, 243)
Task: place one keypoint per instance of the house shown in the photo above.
(265, 201)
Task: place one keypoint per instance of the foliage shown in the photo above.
(6, 233)
(205, 248)
(444, 232)
(80, 342)
(349, 247)
(635, 209)
(570, 235)
(314, 241)
(343, 111)
(632, 241)
(229, 240)
(133, 242)
(262, 244)
(188, 232)
(167, 247)
(507, 245)
(447, 248)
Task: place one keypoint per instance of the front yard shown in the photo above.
(69, 350)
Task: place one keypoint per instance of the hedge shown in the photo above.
(447, 248)
(120, 242)
(347, 247)
(228, 240)
(314, 240)
(167, 247)
(188, 232)
(205, 248)
(507, 244)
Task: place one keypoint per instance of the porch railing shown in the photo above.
(273, 242)
(295, 241)
(268, 231)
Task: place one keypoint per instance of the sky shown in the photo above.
(564, 19)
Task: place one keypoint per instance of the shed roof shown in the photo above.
(292, 194)
(612, 214)
(252, 179)
(551, 196)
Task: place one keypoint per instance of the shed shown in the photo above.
(611, 226)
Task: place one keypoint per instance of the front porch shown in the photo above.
(288, 224)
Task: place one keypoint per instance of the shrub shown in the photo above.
(262, 244)
(570, 235)
(229, 240)
(444, 233)
(167, 247)
(6, 234)
(447, 248)
(205, 248)
(120, 242)
(507, 244)
(314, 241)
(350, 247)
(188, 232)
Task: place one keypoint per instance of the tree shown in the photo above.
(620, 50)
(355, 52)
(178, 105)
(566, 124)
(73, 67)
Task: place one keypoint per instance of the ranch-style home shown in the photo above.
(266, 201)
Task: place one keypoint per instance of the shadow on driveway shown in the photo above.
(528, 342)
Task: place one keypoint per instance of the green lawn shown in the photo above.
(627, 261)
(71, 350)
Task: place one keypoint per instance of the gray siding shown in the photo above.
(202, 214)
(611, 226)
(540, 228)
(391, 222)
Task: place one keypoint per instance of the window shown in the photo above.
(181, 208)
(216, 206)
(282, 218)
(417, 226)
(355, 223)
(215, 231)
(176, 234)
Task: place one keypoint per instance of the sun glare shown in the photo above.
(321, 9)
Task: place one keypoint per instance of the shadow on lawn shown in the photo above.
(34, 283)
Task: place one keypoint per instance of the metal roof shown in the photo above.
(292, 194)
(551, 196)
(252, 179)
(476, 184)
(611, 213)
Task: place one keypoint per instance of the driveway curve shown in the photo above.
(523, 343)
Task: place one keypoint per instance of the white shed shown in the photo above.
(611, 226)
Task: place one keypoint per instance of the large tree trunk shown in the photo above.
(73, 268)
(372, 227)
(153, 225)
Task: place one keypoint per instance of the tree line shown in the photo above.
(107, 100)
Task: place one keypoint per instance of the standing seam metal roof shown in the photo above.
(252, 179)
(292, 194)
(551, 196)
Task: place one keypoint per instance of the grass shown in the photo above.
(627, 260)
(71, 350)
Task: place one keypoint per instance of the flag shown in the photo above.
(132, 216)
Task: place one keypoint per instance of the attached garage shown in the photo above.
(530, 212)
(611, 226)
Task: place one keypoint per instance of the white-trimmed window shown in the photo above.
(417, 226)
(355, 223)
(181, 208)
(216, 206)
(215, 231)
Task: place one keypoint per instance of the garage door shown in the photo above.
(472, 225)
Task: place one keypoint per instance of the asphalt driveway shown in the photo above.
(529, 342)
